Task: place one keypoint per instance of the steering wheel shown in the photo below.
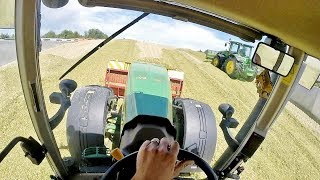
(130, 161)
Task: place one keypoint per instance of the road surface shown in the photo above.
(8, 49)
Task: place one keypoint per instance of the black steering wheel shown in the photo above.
(130, 161)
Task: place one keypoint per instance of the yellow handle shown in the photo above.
(117, 154)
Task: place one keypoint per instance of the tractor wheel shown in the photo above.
(86, 119)
(230, 68)
(216, 62)
(196, 128)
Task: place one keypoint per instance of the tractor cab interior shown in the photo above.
(89, 107)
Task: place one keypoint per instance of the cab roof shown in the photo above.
(295, 22)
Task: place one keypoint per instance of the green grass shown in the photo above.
(290, 151)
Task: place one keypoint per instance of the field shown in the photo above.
(290, 151)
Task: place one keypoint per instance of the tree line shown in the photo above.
(68, 34)
(6, 36)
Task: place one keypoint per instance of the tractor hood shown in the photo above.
(148, 83)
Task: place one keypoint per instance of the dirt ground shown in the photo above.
(290, 151)
(72, 50)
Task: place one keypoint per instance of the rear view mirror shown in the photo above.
(272, 59)
(7, 13)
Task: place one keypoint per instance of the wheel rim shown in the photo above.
(230, 67)
(215, 61)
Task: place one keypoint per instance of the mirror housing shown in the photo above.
(273, 59)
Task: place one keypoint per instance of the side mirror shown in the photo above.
(311, 74)
(7, 14)
(272, 59)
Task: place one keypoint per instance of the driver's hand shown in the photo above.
(156, 160)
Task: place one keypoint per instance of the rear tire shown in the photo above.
(86, 119)
(230, 68)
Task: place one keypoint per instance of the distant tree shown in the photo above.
(13, 36)
(95, 34)
(68, 34)
(4, 36)
(50, 34)
(76, 34)
(65, 34)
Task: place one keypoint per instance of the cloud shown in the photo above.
(153, 28)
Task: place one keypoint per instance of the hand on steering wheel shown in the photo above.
(157, 160)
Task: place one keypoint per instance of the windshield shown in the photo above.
(234, 48)
(180, 48)
(245, 51)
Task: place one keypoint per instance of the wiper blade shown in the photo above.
(103, 43)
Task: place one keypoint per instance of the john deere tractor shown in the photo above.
(139, 101)
(236, 61)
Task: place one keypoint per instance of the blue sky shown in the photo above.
(153, 28)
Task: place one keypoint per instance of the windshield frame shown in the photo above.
(29, 63)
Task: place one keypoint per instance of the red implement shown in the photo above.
(176, 87)
(117, 74)
(116, 80)
(176, 79)
(116, 77)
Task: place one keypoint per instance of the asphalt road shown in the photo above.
(8, 50)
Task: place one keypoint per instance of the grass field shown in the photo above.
(290, 151)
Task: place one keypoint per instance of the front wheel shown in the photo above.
(216, 62)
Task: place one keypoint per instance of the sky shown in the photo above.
(153, 28)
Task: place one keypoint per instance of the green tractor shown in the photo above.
(127, 101)
(236, 61)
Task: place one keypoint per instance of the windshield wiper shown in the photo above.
(103, 43)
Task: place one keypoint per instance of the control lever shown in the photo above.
(228, 122)
(66, 86)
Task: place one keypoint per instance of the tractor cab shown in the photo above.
(93, 105)
(243, 50)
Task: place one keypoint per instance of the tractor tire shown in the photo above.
(86, 119)
(230, 68)
(216, 62)
(196, 128)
